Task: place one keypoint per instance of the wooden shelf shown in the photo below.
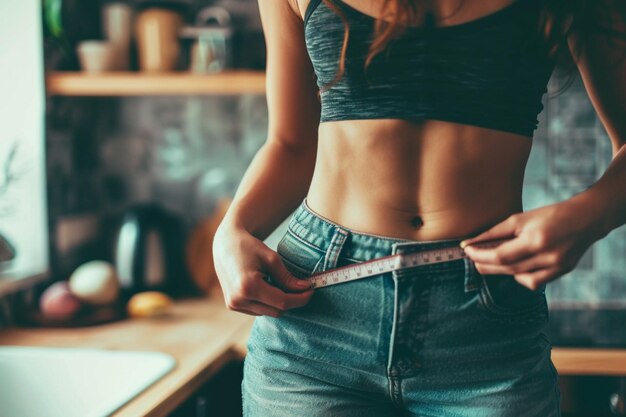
(170, 83)
(589, 361)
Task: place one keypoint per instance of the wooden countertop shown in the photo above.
(203, 335)
(591, 361)
(199, 334)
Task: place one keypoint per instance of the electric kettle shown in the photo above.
(148, 253)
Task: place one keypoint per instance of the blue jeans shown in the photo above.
(438, 340)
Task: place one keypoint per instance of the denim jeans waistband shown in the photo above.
(321, 232)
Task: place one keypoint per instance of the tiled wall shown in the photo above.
(571, 150)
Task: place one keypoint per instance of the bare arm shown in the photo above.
(548, 242)
(279, 175)
(603, 70)
(277, 179)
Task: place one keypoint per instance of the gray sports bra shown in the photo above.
(490, 72)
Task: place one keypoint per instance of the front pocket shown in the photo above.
(504, 299)
(301, 258)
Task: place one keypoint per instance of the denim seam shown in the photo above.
(556, 389)
(395, 385)
(470, 282)
(393, 328)
(555, 375)
(334, 248)
(317, 265)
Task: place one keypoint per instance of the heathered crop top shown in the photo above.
(490, 72)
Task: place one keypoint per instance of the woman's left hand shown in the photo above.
(545, 243)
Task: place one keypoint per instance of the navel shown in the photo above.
(417, 221)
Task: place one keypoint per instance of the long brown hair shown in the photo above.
(558, 19)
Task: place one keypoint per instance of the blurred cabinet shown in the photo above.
(592, 380)
(592, 396)
(218, 397)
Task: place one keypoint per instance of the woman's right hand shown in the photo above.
(242, 262)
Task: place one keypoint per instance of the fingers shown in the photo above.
(281, 275)
(534, 279)
(530, 272)
(248, 312)
(277, 298)
(259, 309)
(242, 267)
(523, 266)
(250, 306)
(503, 229)
(510, 252)
(254, 295)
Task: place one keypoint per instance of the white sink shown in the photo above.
(68, 382)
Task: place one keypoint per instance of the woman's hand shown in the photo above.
(242, 263)
(545, 243)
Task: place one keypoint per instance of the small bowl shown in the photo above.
(96, 55)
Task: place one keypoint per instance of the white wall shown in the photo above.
(22, 202)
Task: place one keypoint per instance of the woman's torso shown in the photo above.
(425, 180)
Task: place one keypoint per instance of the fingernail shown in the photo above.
(463, 243)
(304, 283)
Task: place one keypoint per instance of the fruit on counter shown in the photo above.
(149, 303)
(95, 282)
(58, 302)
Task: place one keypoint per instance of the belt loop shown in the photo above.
(401, 247)
(394, 248)
(334, 248)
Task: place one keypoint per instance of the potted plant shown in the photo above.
(65, 23)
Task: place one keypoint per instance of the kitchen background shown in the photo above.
(186, 152)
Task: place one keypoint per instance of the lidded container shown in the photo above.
(208, 44)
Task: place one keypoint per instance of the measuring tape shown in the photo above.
(392, 262)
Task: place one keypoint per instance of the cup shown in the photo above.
(117, 27)
(156, 30)
(96, 55)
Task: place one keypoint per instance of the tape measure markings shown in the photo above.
(390, 263)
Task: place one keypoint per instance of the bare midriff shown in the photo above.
(430, 180)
